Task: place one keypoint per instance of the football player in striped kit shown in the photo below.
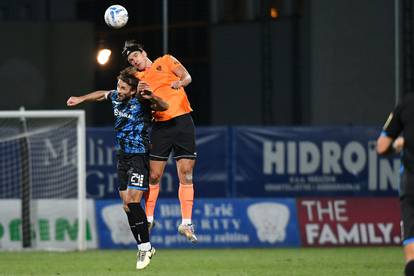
(132, 106)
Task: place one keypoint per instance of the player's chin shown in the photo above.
(140, 66)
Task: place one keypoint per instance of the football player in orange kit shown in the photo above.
(173, 130)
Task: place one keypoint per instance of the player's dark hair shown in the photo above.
(128, 75)
(131, 46)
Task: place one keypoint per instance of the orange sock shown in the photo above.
(151, 199)
(186, 197)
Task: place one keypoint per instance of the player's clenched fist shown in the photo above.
(142, 86)
(176, 84)
(72, 101)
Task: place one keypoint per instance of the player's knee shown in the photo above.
(186, 172)
(155, 178)
(130, 199)
(186, 176)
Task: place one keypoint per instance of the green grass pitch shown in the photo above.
(213, 262)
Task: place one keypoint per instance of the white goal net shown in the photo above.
(42, 180)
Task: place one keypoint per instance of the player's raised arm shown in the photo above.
(91, 97)
(180, 71)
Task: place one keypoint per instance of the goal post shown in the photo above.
(43, 173)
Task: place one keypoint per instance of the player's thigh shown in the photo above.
(122, 170)
(156, 170)
(407, 216)
(407, 213)
(134, 195)
(185, 170)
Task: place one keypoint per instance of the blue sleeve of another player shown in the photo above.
(384, 133)
(112, 95)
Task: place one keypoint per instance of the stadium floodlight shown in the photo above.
(103, 56)
(42, 180)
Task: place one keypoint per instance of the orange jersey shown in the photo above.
(159, 77)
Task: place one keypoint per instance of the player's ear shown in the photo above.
(144, 53)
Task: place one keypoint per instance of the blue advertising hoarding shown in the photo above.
(219, 223)
(264, 162)
(101, 173)
(210, 173)
(289, 161)
(232, 162)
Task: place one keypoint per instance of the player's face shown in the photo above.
(137, 59)
(125, 91)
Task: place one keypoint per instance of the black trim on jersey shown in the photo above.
(402, 122)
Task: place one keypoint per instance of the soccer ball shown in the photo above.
(116, 16)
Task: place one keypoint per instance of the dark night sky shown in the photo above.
(188, 40)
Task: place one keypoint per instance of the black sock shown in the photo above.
(131, 222)
(409, 268)
(140, 219)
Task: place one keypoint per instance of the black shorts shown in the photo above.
(407, 206)
(133, 171)
(177, 135)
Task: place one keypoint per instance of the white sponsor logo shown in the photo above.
(329, 224)
(358, 233)
(330, 158)
(119, 113)
(270, 220)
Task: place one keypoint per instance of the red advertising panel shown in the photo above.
(349, 221)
